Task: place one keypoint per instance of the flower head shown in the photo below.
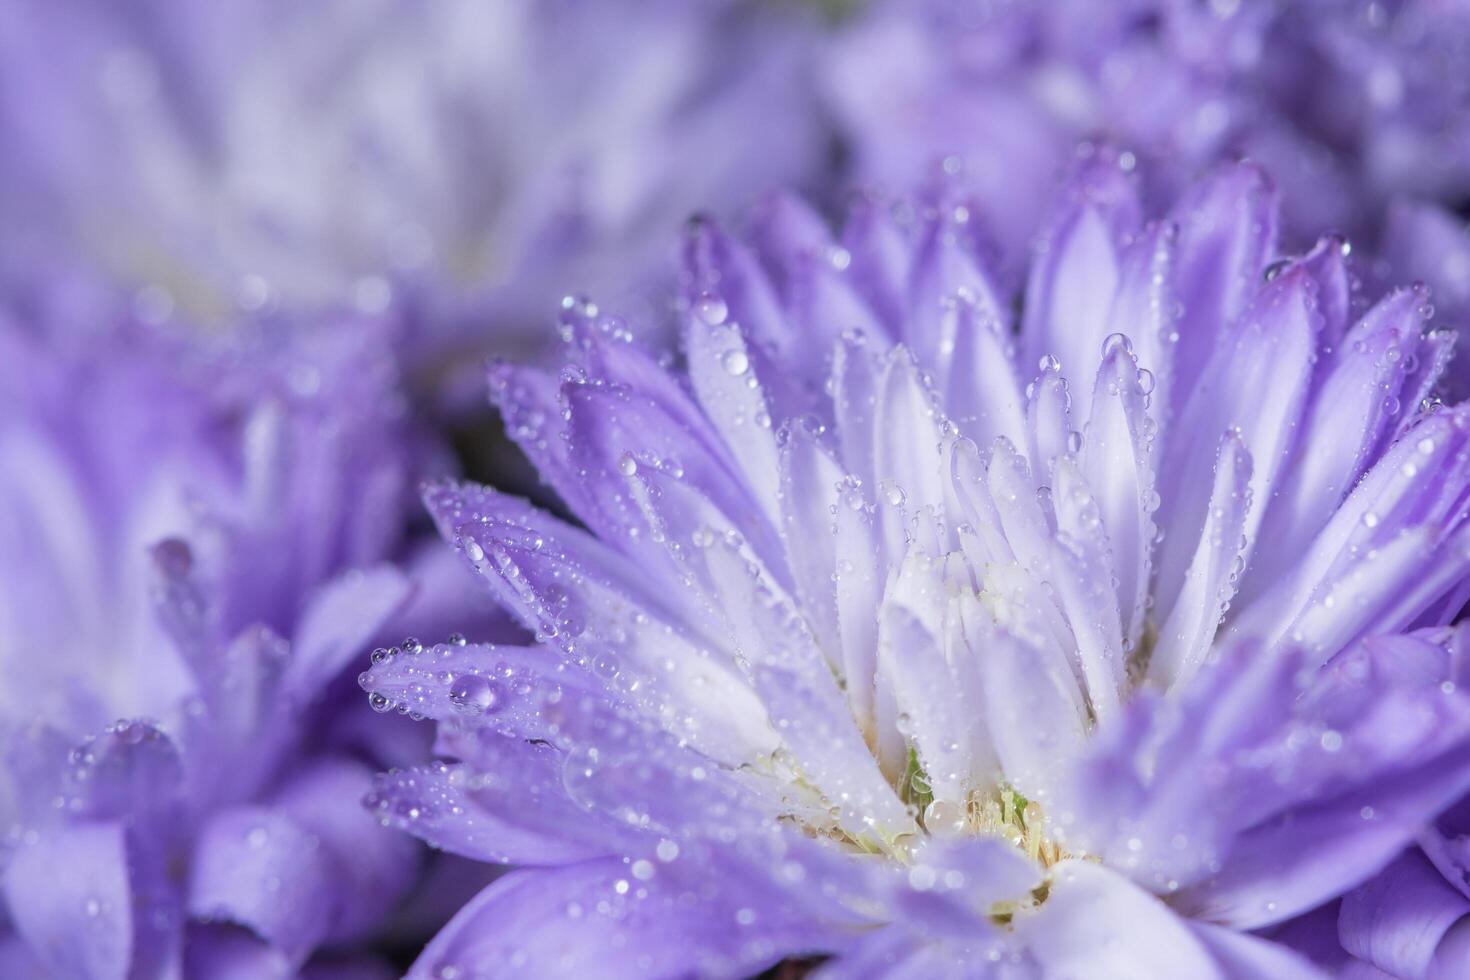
(903, 636)
(446, 158)
(193, 537)
(1351, 106)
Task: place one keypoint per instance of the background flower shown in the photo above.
(877, 651)
(195, 538)
(473, 160)
(1351, 106)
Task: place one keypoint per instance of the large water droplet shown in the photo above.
(473, 694)
(711, 310)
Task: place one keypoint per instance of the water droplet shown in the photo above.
(711, 310)
(735, 362)
(1276, 268)
(473, 694)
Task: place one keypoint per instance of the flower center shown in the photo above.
(1002, 813)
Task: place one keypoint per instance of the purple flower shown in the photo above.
(193, 538)
(1406, 921)
(1351, 106)
(457, 158)
(899, 638)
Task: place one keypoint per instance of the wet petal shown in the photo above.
(946, 270)
(1345, 425)
(1147, 307)
(723, 373)
(1227, 234)
(982, 390)
(1035, 712)
(337, 624)
(373, 868)
(517, 815)
(258, 868)
(1209, 584)
(810, 480)
(931, 698)
(1398, 919)
(1118, 461)
(1241, 956)
(69, 896)
(1257, 383)
(1076, 270)
(1095, 923)
(603, 918)
(1311, 853)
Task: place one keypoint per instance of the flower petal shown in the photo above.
(982, 389)
(1194, 615)
(131, 771)
(1412, 498)
(372, 867)
(1257, 383)
(1311, 853)
(1097, 924)
(1147, 306)
(258, 868)
(1227, 234)
(338, 622)
(1241, 956)
(1344, 426)
(946, 269)
(516, 813)
(1076, 269)
(932, 692)
(231, 952)
(722, 370)
(1398, 919)
(69, 897)
(1035, 712)
(1118, 461)
(529, 402)
(810, 482)
(598, 919)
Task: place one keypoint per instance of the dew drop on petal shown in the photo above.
(473, 694)
(711, 310)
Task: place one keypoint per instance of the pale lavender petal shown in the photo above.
(69, 896)
(258, 868)
(1397, 920)
(1089, 908)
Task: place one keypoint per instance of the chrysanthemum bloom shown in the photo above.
(458, 156)
(1409, 920)
(1350, 105)
(904, 638)
(192, 541)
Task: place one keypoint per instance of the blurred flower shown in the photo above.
(881, 646)
(1409, 920)
(192, 538)
(1350, 105)
(467, 159)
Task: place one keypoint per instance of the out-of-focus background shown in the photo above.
(468, 163)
